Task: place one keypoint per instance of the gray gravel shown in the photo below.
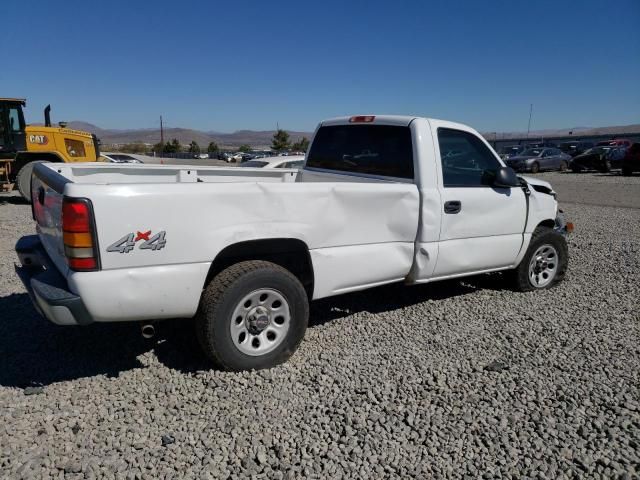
(458, 379)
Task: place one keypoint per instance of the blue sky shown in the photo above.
(235, 65)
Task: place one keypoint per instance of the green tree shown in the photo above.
(280, 141)
(244, 148)
(158, 148)
(172, 147)
(213, 147)
(301, 145)
(194, 148)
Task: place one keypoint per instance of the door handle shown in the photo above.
(452, 206)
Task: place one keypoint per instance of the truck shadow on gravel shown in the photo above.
(35, 352)
(12, 199)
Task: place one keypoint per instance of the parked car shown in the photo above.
(381, 199)
(631, 161)
(536, 160)
(575, 147)
(616, 142)
(511, 151)
(201, 156)
(119, 158)
(225, 156)
(292, 161)
(603, 159)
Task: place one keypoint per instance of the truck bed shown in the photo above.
(358, 233)
(106, 173)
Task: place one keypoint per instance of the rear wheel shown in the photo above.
(545, 263)
(23, 179)
(575, 169)
(252, 315)
(535, 168)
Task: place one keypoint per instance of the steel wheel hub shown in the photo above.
(258, 319)
(260, 322)
(543, 266)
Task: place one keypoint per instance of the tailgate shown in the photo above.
(47, 192)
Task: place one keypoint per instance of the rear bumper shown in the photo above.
(47, 288)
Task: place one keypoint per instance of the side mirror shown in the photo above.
(506, 178)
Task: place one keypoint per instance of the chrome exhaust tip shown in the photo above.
(148, 331)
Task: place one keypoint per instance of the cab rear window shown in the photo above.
(363, 149)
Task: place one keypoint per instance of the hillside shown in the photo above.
(184, 136)
(263, 138)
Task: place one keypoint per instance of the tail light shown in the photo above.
(80, 246)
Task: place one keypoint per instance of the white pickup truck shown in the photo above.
(380, 199)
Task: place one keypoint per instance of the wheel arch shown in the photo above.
(547, 223)
(290, 253)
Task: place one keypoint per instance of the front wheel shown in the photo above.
(535, 168)
(252, 315)
(545, 263)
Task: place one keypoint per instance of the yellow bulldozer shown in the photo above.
(22, 146)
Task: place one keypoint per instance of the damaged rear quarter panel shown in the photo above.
(201, 219)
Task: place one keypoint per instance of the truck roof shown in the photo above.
(399, 120)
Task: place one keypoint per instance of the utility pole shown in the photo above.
(529, 125)
(161, 135)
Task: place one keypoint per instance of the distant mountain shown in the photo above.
(184, 136)
(262, 138)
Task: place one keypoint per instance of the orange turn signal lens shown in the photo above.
(72, 239)
(569, 227)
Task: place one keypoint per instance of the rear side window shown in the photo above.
(366, 149)
(466, 160)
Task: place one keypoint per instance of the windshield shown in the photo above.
(254, 164)
(121, 157)
(532, 152)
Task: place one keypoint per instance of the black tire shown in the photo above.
(605, 167)
(575, 169)
(23, 179)
(541, 236)
(535, 168)
(222, 296)
(627, 171)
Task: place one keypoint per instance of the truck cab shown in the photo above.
(12, 127)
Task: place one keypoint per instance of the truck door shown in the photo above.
(482, 226)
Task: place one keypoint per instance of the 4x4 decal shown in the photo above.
(128, 242)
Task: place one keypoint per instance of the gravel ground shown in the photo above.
(457, 379)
